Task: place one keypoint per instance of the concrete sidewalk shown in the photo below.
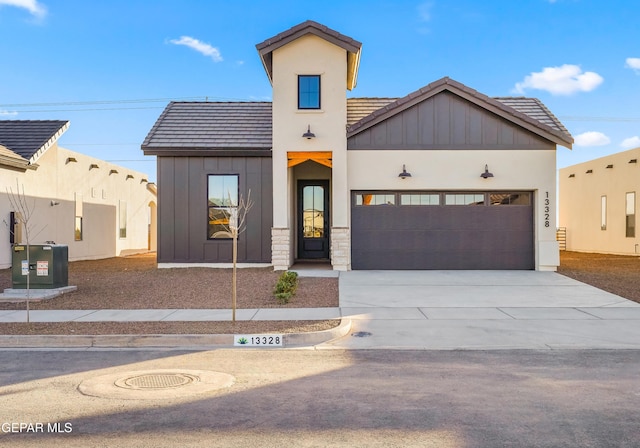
(434, 310)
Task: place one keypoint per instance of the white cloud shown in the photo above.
(564, 80)
(7, 113)
(631, 142)
(633, 64)
(591, 138)
(199, 46)
(35, 8)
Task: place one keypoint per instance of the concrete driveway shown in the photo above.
(482, 310)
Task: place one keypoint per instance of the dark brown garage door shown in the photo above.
(442, 230)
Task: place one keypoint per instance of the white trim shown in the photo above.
(213, 265)
(49, 143)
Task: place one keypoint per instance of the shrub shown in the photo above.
(286, 287)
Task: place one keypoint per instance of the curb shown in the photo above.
(178, 341)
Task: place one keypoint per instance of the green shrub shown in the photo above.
(286, 287)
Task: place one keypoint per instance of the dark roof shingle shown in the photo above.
(204, 125)
(27, 137)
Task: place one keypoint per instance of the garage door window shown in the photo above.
(375, 199)
(510, 198)
(464, 199)
(420, 199)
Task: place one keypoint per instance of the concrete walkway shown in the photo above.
(435, 310)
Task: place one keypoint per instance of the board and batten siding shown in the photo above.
(446, 121)
(182, 209)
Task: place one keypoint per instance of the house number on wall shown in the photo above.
(547, 209)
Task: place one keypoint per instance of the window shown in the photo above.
(631, 215)
(510, 198)
(375, 199)
(309, 92)
(78, 221)
(122, 219)
(603, 213)
(222, 202)
(464, 199)
(420, 199)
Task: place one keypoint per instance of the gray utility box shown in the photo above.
(48, 266)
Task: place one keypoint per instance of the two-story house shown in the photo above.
(443, 178)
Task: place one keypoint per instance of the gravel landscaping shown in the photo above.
(135, 282)
(618, 274)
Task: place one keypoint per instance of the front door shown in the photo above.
(313, 219)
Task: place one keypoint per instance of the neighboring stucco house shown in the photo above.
(96, 208)
(444, 178)
(598, 204)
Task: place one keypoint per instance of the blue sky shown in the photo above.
(110, 66)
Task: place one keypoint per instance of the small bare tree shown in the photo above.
(236, 224)
(24, 211)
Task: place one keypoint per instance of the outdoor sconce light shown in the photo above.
(404, 173)
(486, 173)
(54, 203)
(309, 135)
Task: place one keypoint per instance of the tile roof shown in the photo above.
(204, 125)
(237, 126)
(28, 138)
(534, 108)
(358, 108)
(528, 110)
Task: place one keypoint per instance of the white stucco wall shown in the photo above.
(308, 55)
(580, 203)
(59, 180)
(524, 170)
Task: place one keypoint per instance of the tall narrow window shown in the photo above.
(631, 215)
(123, 219)
(78, 221)
(309, 92)
(222, 204)
(603, 213)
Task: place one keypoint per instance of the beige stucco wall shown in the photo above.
(526, 170)
(580, 203)
(308, 55)
(59, 180)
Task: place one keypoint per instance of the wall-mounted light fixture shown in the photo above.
(404, 174)
(309, 135)
(486, 173)
(54, 203)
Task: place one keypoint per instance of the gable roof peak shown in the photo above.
(351, 46)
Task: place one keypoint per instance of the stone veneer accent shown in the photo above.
(341, 248)
(280, 248)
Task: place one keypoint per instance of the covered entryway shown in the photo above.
(442, 230)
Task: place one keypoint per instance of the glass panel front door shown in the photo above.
(313, 219)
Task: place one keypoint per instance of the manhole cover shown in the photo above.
(156, 381)
(155, 384)
(361, 334)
